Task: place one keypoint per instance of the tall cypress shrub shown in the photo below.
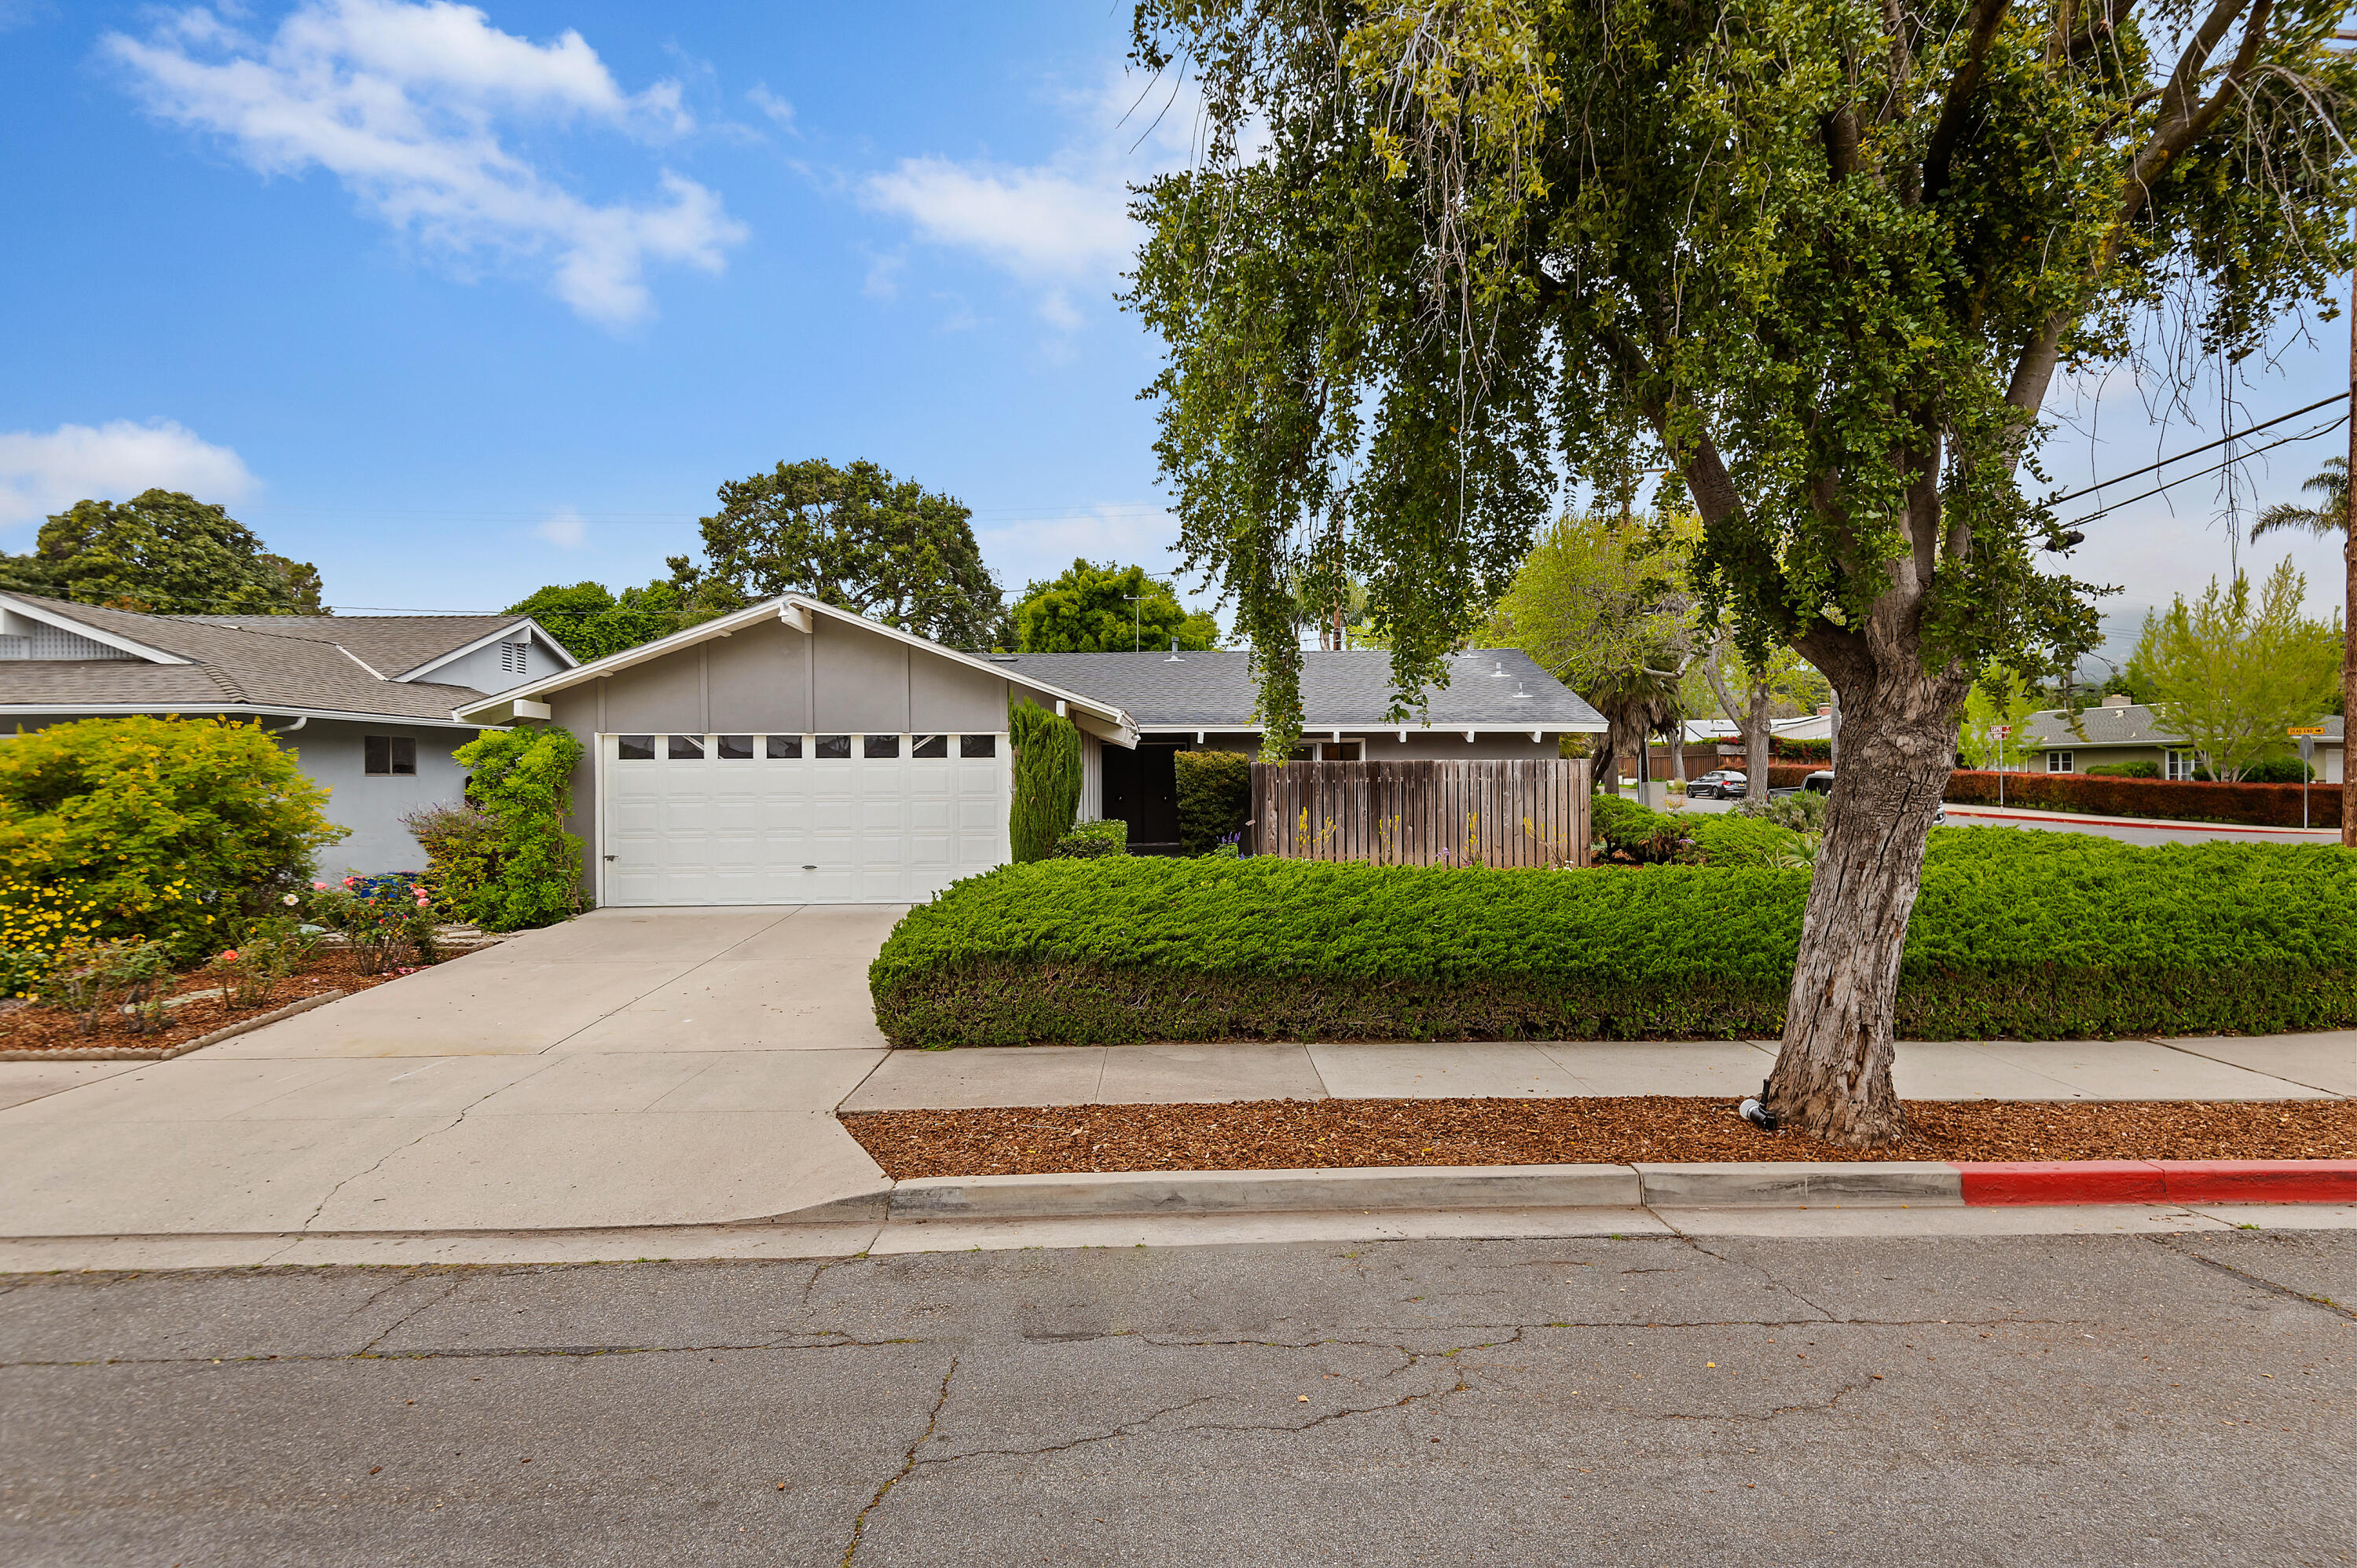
(1047, 779)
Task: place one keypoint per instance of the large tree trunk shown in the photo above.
(1756, 737)
(1831, 1078)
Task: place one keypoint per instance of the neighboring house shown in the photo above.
(2121, 731)
(363, 702)
(1496, 704)
(2117, 731)
(793, 752)
(790, 753)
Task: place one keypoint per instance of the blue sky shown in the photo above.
(458, 302)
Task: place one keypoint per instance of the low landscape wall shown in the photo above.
(2257, 805)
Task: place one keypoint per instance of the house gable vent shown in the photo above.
(56, 643)
(513, 656)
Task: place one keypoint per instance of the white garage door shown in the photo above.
(799, 819)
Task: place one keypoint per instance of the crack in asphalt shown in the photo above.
(451, 1290)
(1774, 1282)
(2258, 1282)
(908, 1463)
(485, 1353)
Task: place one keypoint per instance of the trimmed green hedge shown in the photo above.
(2018, 933)
(2260, 805)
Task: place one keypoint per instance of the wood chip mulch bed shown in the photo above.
(1297, 1134)
(35, 1028)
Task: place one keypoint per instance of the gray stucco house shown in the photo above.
(793, 752)
(365, 703)
(2118, 730)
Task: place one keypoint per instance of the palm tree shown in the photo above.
(2332, 482)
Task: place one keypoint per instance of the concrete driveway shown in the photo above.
(628, 1068)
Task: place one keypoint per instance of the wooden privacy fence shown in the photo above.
(1530, 812)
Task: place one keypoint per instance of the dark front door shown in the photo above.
(1141, 788)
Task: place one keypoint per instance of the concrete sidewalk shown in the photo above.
(2280, 1067)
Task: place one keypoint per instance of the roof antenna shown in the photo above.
(1174, 658)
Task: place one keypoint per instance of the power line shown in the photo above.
(2214, 467)
(2196, 452)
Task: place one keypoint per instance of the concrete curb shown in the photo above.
(1731, 1185)
(165, 1053)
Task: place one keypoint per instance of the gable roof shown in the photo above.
(393, 645)
(2133, 724)
(1103, 719)
(1495, 689)
(229, 663)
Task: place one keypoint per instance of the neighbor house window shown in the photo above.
(977, 746)
(834, 745)
(635, 747)
(1340, 750)
(783, 745)
(687, 748)
(389, 753)
(2178, 766)
(512, 657)
(736, 748)
(883, 745)
(2061, 762)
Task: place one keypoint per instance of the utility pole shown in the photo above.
(1136, 622)
(2349, 574)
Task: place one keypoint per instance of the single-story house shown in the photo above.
(2120, 731)
(794, 752)
(363, 702)
(1498, 704)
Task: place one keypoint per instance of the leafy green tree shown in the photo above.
(2233, 676)
(2000, 699)
(1090, 609)
(1821, 259)
(164, 553)
(523, 780)
(855, 538)
(1607, 608)
(592, 622)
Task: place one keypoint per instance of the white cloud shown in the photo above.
(564, 528)
(780, 112)
(404, 103)
(1055, 225)
(45, 473)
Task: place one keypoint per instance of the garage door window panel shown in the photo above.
(784, 747)
(880, 746)
(635, 747)
(930, 746)
(833, 746)
(736, 748)
(686, 748)
(977, 746)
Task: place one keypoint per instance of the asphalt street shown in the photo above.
(2162, 1400)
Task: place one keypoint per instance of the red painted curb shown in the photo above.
(2260, 1181)
(2158, 1181)
(2062, 1181)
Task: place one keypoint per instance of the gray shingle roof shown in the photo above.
(228, 662)
(1344, 690)
(391, 644)
(2135, 725)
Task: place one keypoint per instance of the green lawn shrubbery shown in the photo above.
(2016, 933)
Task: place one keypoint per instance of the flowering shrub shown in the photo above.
(387, 921)
(268, 949)
(38, 920)
(462, 855)
(158, 828)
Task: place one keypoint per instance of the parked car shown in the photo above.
(1718, 784)
(1821, 782)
